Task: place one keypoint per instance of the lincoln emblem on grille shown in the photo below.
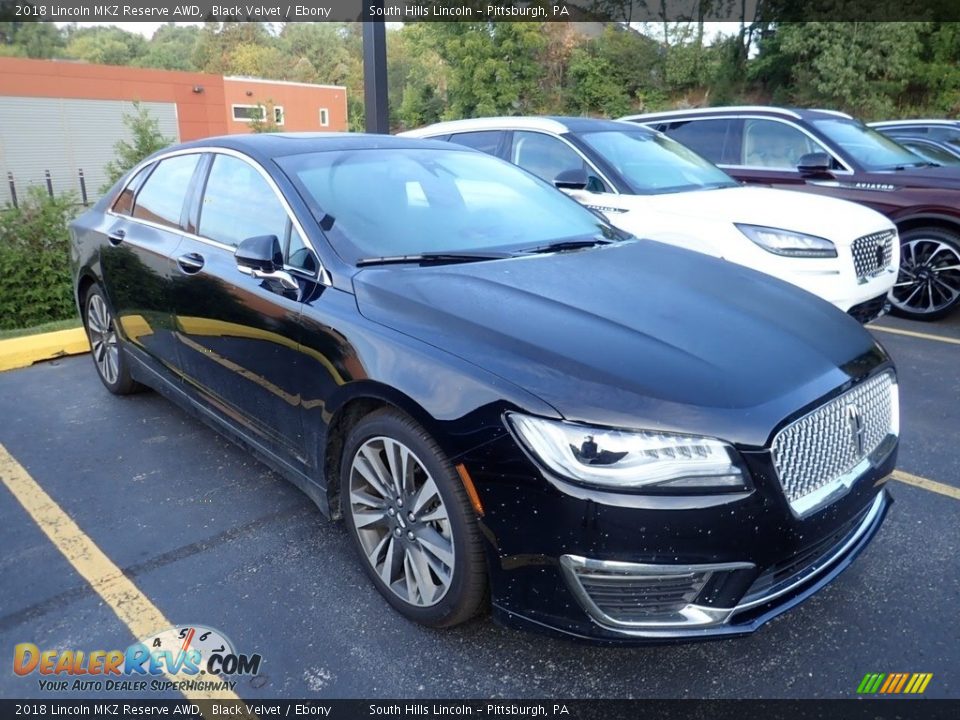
(880, 255)
(855, 423)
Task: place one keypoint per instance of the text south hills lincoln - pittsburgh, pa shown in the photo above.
(427, 9)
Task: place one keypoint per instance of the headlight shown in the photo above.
(787, 242)
(630, 460)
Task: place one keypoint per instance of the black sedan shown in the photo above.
(507, 400)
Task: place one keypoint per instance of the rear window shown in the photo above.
(162, 196)
(707, 138)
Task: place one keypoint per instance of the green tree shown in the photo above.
(106, 45)
(171, 48)
(145, 139)
(859, 67)
(492, 67)
(265, 121)
(38, 40)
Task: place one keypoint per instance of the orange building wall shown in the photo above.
(301, 103)
(199, 114)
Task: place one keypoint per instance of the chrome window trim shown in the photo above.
(733, 110)
(321, 276)
(828, 146)
(910, 123)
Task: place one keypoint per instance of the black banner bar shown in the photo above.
(860, 709)
(747, 11)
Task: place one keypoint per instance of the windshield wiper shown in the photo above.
(914, 165)
(562, 245)
(434, 258)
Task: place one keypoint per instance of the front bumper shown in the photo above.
(774, 591)
(744, 556)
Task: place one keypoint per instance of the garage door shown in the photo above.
(65, 136)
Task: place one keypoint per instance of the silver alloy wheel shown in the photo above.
(929, 277)
(103, 339)
(402, 522)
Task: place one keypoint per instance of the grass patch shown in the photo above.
(43, 328)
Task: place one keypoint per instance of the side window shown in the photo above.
(773, 144)
(485, 140)
(543, 155)
(161, 199)
(297, 253)
(707, 138)
(945, 134)
(124, 202)
(238, 203)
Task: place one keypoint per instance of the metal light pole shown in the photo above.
(376, 113)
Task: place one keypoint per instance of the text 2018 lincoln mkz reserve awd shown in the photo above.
(510, 402)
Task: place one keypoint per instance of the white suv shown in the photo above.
(654, 187)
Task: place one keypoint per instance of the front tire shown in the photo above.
(411, 521)
(928, 286)
(111, 363)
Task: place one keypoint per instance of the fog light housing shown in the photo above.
(624, 595)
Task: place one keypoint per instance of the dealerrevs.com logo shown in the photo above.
(185, 657)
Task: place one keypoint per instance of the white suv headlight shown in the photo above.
(788, 242)
(630, 460)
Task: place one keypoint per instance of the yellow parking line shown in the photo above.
(133, 608)
(911, 333)
(931, 485)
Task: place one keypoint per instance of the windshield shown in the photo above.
(652, 163)
(394, 202)
(873, 150)
(932, 153)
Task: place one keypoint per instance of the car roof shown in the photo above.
(557, 124)
(264, 146)
(789, 112)
(905, 123)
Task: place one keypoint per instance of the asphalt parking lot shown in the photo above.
(209, 535)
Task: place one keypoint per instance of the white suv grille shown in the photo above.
(814, 456)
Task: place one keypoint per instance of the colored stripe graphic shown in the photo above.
(894, 683)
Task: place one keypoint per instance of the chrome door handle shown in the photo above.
(190, 263)
(116, 237)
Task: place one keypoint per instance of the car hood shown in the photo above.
(944, 177)
(838, 220)
(636, 334)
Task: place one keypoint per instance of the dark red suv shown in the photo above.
(831, 153)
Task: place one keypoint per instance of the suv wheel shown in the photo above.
(928, 286)
(411, 521)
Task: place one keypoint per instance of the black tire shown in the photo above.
(466, 590)
(926, 281)
(99, 322)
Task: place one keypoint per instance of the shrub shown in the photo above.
(146, 140)
(35, 260)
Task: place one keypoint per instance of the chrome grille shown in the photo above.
(816, 453)
(872, 254)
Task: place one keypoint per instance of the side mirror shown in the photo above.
(815, 163)
(260, 253)
(262, 258)
(572, 179)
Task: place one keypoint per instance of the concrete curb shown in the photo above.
(23, 351)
